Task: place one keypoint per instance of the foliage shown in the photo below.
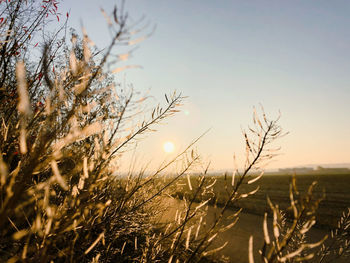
(64, 125)
(339, 245)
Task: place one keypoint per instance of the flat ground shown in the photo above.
(238, 236)
(333, 187)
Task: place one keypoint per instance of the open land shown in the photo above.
(248, 225)
(333, 187)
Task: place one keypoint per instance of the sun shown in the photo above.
(168, 147)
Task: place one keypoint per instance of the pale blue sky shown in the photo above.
(228, 56)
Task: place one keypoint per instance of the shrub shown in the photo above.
(64, 124)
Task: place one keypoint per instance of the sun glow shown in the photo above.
(168, 147)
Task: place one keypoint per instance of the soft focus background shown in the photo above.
(228, 56)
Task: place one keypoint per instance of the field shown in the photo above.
(332, 186)
(238, 236)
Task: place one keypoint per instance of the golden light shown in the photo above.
(168, 147)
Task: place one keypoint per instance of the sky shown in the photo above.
(229, 56)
